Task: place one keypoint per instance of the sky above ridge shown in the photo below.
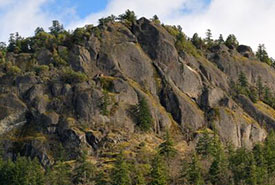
(250, 20)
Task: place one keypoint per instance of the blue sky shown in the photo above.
(252, 21)
(82, 7)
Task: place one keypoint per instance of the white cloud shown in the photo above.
(22, 16)
(250, 20)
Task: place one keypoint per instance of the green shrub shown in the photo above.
(105, 103)
(41, 68)
(14, 70)
(71, 76)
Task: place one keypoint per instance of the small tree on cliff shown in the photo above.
(144, 117)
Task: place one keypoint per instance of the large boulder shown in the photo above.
(12, 112)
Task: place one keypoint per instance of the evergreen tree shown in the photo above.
(260, 87)
(129, 17)
(84, 173)
(167, 147)
(231, 41)
(158, 171)
(121, 173)
(208, 39)
(38, 30)
(260, 163)
(144, 117)
(220, 40)
(243, 80)
(21, 172)
(59, 174)
(155, 19)
(102, 179)
(269, 153)
(242, 165)
(218, 171)
(206, 145)
(56, 27)
(192, 173)
(197, 41)
(262, 54)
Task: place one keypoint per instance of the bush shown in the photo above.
(71, 76)
(41, 68)
(14, 70)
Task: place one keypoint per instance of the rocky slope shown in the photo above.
(86, 103)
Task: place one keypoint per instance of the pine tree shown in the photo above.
(208, 39)
(218, 171)
(192, 172)
(167, 147)
(60, 174)
(121, 173)
(197, 41)
(220, 40)
(262, 54)
(243, 80)
(102, 179)
(260, 87)
(158, 172)
(129, 17)
(269, 153)
(231, 41)
(144, 117)
(260, 163)
(84, 173)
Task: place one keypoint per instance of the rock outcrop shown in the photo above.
(115, 66)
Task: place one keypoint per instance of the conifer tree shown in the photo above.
(121, 173)
(262, 54)
(220, 40)
(218, 171)
(144, 117)
(208, 39)
(84, 173)
(158, 171)
(260, 87)
(166, 148)
(192, 172)
(231, 41)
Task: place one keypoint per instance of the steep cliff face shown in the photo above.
(41, 110)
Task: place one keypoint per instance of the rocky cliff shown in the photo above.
(80, 96)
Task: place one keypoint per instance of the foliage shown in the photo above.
(155, 19)
(23, 171)
(158, 171)
(59, 174)
(56, 27)
(262, 54)
(71, 76)
(129, 17)
(105, 103)
(106, 20)
(197, 41)
(13, 70)
(84, 172)
(208, 39)
(166, 148)
(192, 172)
(120, 173)
(143, 114)
(220, 40)
(231, 41)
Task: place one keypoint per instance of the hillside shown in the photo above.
(121, 89)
